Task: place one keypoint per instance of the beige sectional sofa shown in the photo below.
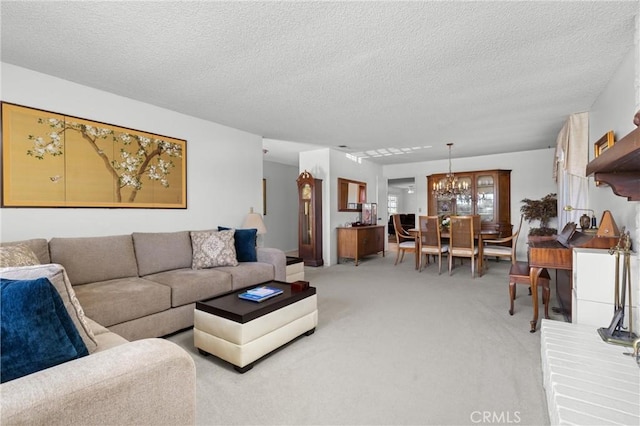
(142, 285)
(132, 289)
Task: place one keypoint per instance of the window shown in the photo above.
(392, 204)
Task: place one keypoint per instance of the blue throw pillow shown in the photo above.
(36, 331)
(245, 242)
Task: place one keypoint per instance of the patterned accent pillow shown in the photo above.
(17, 255)
(211, 249)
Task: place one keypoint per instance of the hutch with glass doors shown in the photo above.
(489, 197)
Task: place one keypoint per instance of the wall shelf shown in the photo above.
(619, 166)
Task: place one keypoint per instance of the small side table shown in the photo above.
(295, 269)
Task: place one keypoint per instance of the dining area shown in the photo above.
(455, 237)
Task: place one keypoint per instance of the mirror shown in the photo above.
(351, 194)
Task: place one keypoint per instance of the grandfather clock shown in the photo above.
(310, 219)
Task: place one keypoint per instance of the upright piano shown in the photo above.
(558, 254)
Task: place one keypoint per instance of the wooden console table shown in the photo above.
(358, 241)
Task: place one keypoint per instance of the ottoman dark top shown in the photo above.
(233, 329)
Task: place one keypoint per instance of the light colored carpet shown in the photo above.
(393, 346)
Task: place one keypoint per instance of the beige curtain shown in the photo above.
(572, 146)
(572, 155)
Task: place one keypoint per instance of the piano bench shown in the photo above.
(519, 274)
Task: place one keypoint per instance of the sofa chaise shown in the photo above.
(130, 289)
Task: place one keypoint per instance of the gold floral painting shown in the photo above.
(55, 160)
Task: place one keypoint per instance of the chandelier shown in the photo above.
(449, 187)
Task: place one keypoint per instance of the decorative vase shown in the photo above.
(585, 222)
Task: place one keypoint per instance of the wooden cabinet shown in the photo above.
(310, 219)
(490, 198)
(359, 241)
(593, 291)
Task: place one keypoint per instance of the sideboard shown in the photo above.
(358, 241)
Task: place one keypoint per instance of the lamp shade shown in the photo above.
(254, 220)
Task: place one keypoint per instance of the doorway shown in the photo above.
(401, 199)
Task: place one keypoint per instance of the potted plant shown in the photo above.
(542, 210)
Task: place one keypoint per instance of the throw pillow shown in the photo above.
(211, 249)
(36, 331)
(58, 277)
(17, 255)
(245, 242)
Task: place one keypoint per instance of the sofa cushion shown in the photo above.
(105, 338)
(162, 251)
(36, 330)
(249, 273)
(40, 246)
(212, 249)
(245, 243)
(93, 259)
(123, 299)
(192, 285)
(58, 277)
(17, 255)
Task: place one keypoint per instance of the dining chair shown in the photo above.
(499, 248)
(519, 274)
(406, 242)
(430, 243)
(462, 241)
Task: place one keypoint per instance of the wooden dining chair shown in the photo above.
(502, 247)
(462, 241)
(519, 274)
(406, 242)
(430, 243)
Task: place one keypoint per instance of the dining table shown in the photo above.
(444, 234)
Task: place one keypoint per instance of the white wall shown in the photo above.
(281, 219)
(406, 201)
(329, 165)
(614, 110)
(531, 177)
(224, 165)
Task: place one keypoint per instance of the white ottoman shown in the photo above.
(241, 331)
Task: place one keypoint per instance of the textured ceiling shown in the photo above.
(489, 76)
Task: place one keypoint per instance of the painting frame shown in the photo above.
(264, 197)
(51, 159)
(604, 143)
(600, 146)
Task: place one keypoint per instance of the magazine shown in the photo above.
(260, 294)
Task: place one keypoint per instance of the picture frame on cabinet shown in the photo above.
(369, 211)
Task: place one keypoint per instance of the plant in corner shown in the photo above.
(542, 210)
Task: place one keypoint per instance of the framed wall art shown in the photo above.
(56, 160)
(264, 197)
(604, 143)
(600, 146)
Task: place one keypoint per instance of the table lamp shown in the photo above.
(254, 220)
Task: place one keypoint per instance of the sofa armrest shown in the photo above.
(277, 258)
(150, 381)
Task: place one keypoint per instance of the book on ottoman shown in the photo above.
(260, 294)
